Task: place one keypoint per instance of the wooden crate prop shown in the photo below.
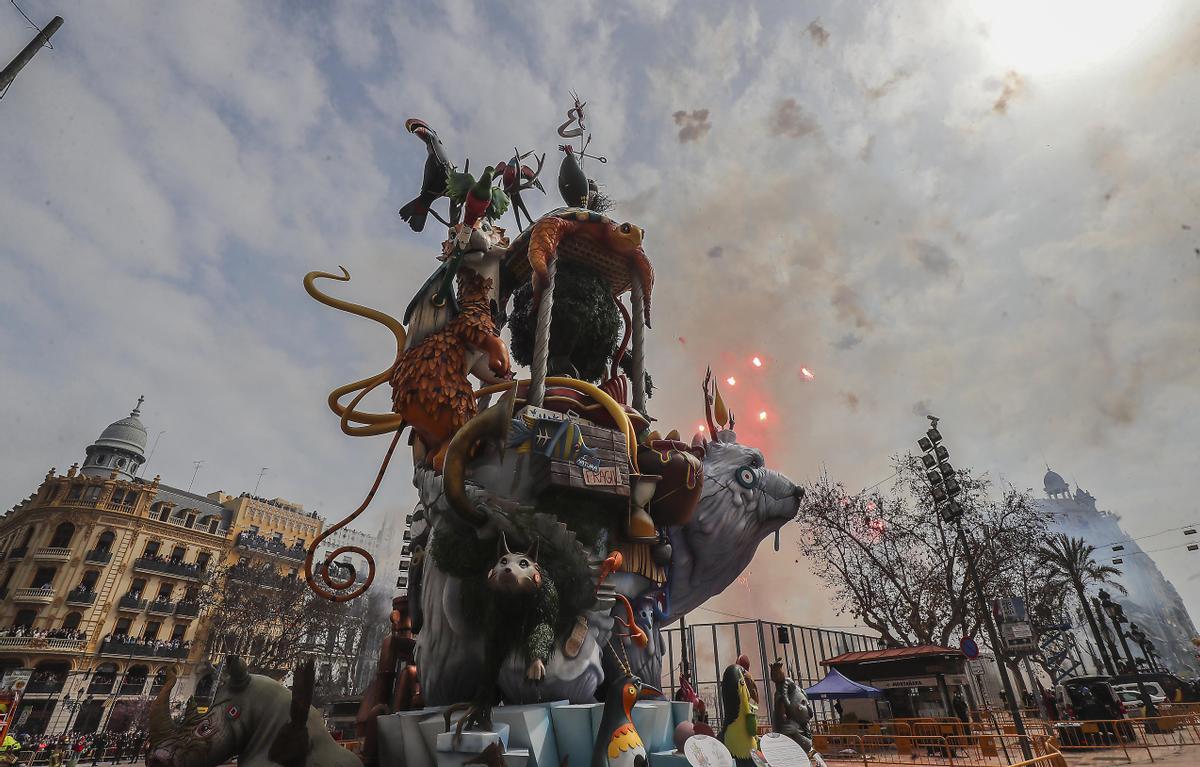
(568, 452)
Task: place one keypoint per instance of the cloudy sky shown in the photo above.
(984, 210)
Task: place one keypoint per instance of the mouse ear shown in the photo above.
(533, 550)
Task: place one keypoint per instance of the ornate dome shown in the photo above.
(1054, 483)
(120, 448)
(127, 433)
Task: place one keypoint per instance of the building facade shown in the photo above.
(1152, 603)
(99, 576)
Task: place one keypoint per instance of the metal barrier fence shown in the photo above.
(988, 750)
(711, 647)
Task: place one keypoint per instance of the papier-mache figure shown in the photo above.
(739, 731)
(792, 708)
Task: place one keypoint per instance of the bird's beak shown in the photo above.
(650, 692)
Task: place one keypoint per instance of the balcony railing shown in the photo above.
(53, 553)
(162, 607)
(98, 557)
(187, 609)
(167, 567)
(42, 643)
(130, 602)
(139, 650)
(102, 685)
(18, 552)
(81, 597)
(269, 546)
(45, 686)
(36, 596)
(132, 687)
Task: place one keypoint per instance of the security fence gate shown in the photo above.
(708, 648)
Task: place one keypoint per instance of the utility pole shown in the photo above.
(261, 472)
(196, 471)
(27, 53)
(944, 488)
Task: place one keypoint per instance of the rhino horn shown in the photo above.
(239, 677)
(161, 724)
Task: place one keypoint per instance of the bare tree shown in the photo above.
(894, 564)
(268, 618)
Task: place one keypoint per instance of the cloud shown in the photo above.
(694, 126)
(848, 305)
(818, 33)
(879, 91)
(788, 119)
(850, 399)
(847, 342)
(716, 251)
(1012, 86)
(932, 257)
(921, 408)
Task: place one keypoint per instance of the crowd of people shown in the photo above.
(254, 540)
(145, 641)
(26, 631)
(176, 563)
(70, 750)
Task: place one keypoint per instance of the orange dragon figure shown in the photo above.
(624, 239)
(430, 389)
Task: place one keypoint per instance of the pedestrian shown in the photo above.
(98, 745)
(75, 750)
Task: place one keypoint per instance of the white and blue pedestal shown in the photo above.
(534, 735)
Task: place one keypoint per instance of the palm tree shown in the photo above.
(1072, 561)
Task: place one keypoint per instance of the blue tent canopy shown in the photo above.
(836, 685)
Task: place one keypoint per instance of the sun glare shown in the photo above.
(1048, 37)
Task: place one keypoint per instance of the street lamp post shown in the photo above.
(1116, 614)
(944, 487)
(1147, 647)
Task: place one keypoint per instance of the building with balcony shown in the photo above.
(100, 575)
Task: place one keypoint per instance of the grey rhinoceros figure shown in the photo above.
(251, 717)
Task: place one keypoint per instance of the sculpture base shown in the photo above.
(533, 735)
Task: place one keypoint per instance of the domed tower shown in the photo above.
(121, 446)
(1055, 485)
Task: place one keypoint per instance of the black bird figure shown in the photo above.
(433, 182)
(572, 181)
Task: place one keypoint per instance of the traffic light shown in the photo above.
(943, 482)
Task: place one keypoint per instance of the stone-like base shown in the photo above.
(533, 735)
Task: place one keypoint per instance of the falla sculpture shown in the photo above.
(558, 530)
(251, 717)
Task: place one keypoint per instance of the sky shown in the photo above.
(986, 211)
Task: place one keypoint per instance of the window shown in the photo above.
(177, 554)
(191, 520)
(213, 525)
(25, 618)
(164, 512)
(164, 592)
(191, 594)
(105, 542)
(122, 627)
(71, 622)
(152, 549)
(44, 577)
(62, 536)
(92, 494)
(76, 493)
(89, 580)
(202, 560)
(137, 587)
(120, 463)
(151, 630)
(178, 631)
(118, 496)
(101, 459)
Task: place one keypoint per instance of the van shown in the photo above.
(1088, 697)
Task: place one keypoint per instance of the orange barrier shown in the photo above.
(954, 750)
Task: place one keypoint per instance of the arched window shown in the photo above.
(62, 536)
(105, 542)
(25, 618)
(71, 622)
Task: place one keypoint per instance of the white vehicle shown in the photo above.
(1131, 703)
(1157, 695)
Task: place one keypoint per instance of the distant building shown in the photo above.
(99, 581)
(1153, 603)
